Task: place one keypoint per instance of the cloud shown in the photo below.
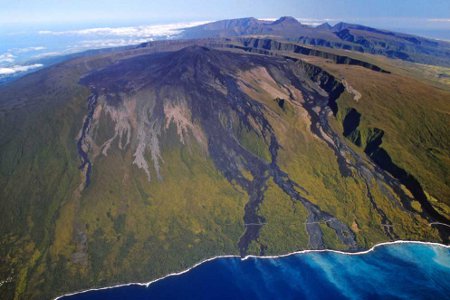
(108, 37)
(106, 43)
(6, 58)
(18, 69)
(48, 54)
(268, 19)
(28, 49)
(145, 31)
(315, 22)
(304, 21)
(439, 20)
(92, 44)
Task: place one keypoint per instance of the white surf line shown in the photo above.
(256, 257)
(438, 223)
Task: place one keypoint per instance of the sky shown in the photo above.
(384, 13)
(34, 29)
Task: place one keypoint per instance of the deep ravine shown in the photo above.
(83, 146)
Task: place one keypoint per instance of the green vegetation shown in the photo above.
(414, 119)
(253, 142)
(285, 221)
(58, 237)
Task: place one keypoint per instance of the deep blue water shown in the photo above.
(395, 271)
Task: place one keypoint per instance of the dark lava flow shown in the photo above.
(92, 102)
(228, 154)
(201, 75)
(322, 129)
(384, 169)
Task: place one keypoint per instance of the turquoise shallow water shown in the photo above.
(394, 271)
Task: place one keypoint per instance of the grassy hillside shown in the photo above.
(410, 105)
(415, 118)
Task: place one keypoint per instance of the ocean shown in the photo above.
(390, 271)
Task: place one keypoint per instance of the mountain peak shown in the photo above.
(342, 25)
(325, 26)
(286, 20)
(193, 49)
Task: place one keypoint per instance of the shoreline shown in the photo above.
(146, 284)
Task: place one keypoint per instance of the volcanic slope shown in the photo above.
(403, 106)
(119, 168)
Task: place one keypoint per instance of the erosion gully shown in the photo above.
(228, 155)
(348, 160)
(83, 146)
